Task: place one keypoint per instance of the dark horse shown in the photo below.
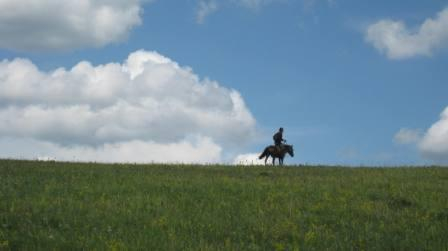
(274, 152)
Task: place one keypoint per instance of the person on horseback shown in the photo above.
(279, 150)
(278, 139)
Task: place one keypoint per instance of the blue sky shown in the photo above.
(323, 70)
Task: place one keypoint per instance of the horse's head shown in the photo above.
(290, 150)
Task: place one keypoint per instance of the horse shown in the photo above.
(274, 152)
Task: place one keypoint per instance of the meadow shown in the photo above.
(60, 206)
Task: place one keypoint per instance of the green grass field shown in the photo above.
(48, 206)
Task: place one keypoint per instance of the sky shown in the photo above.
(210, 81)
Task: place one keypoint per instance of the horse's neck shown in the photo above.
(285, 150)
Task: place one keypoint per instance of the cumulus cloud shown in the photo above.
(58, 25)
(397, 41)
(205, 8)
(434, 144)
(407, 136)
(200, 150)
(148, 102)
(248, 159)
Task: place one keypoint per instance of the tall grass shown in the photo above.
(46, 206)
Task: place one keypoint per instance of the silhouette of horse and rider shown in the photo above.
(278, 150)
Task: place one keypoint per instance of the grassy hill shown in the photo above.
(51, 205)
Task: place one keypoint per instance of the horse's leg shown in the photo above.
(266, 160)
(273, 160)
(280, 160)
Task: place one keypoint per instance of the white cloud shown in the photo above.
(57, 25)
(148, 102)
(400, 42)
(200, 150)
(205, 8)
(407, 136)
(434, 144)
(248, 159)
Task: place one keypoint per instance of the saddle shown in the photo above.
(280, 147)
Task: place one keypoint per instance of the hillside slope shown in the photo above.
(51, 205)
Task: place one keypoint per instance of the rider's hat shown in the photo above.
(281, 129)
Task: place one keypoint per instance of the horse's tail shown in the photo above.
(265, 153)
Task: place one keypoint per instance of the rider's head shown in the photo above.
(281, 129)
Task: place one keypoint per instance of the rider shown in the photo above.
(278, 138)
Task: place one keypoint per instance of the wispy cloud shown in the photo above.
(253, 4)
(407, 136)
(208, 7)
(205, 8)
